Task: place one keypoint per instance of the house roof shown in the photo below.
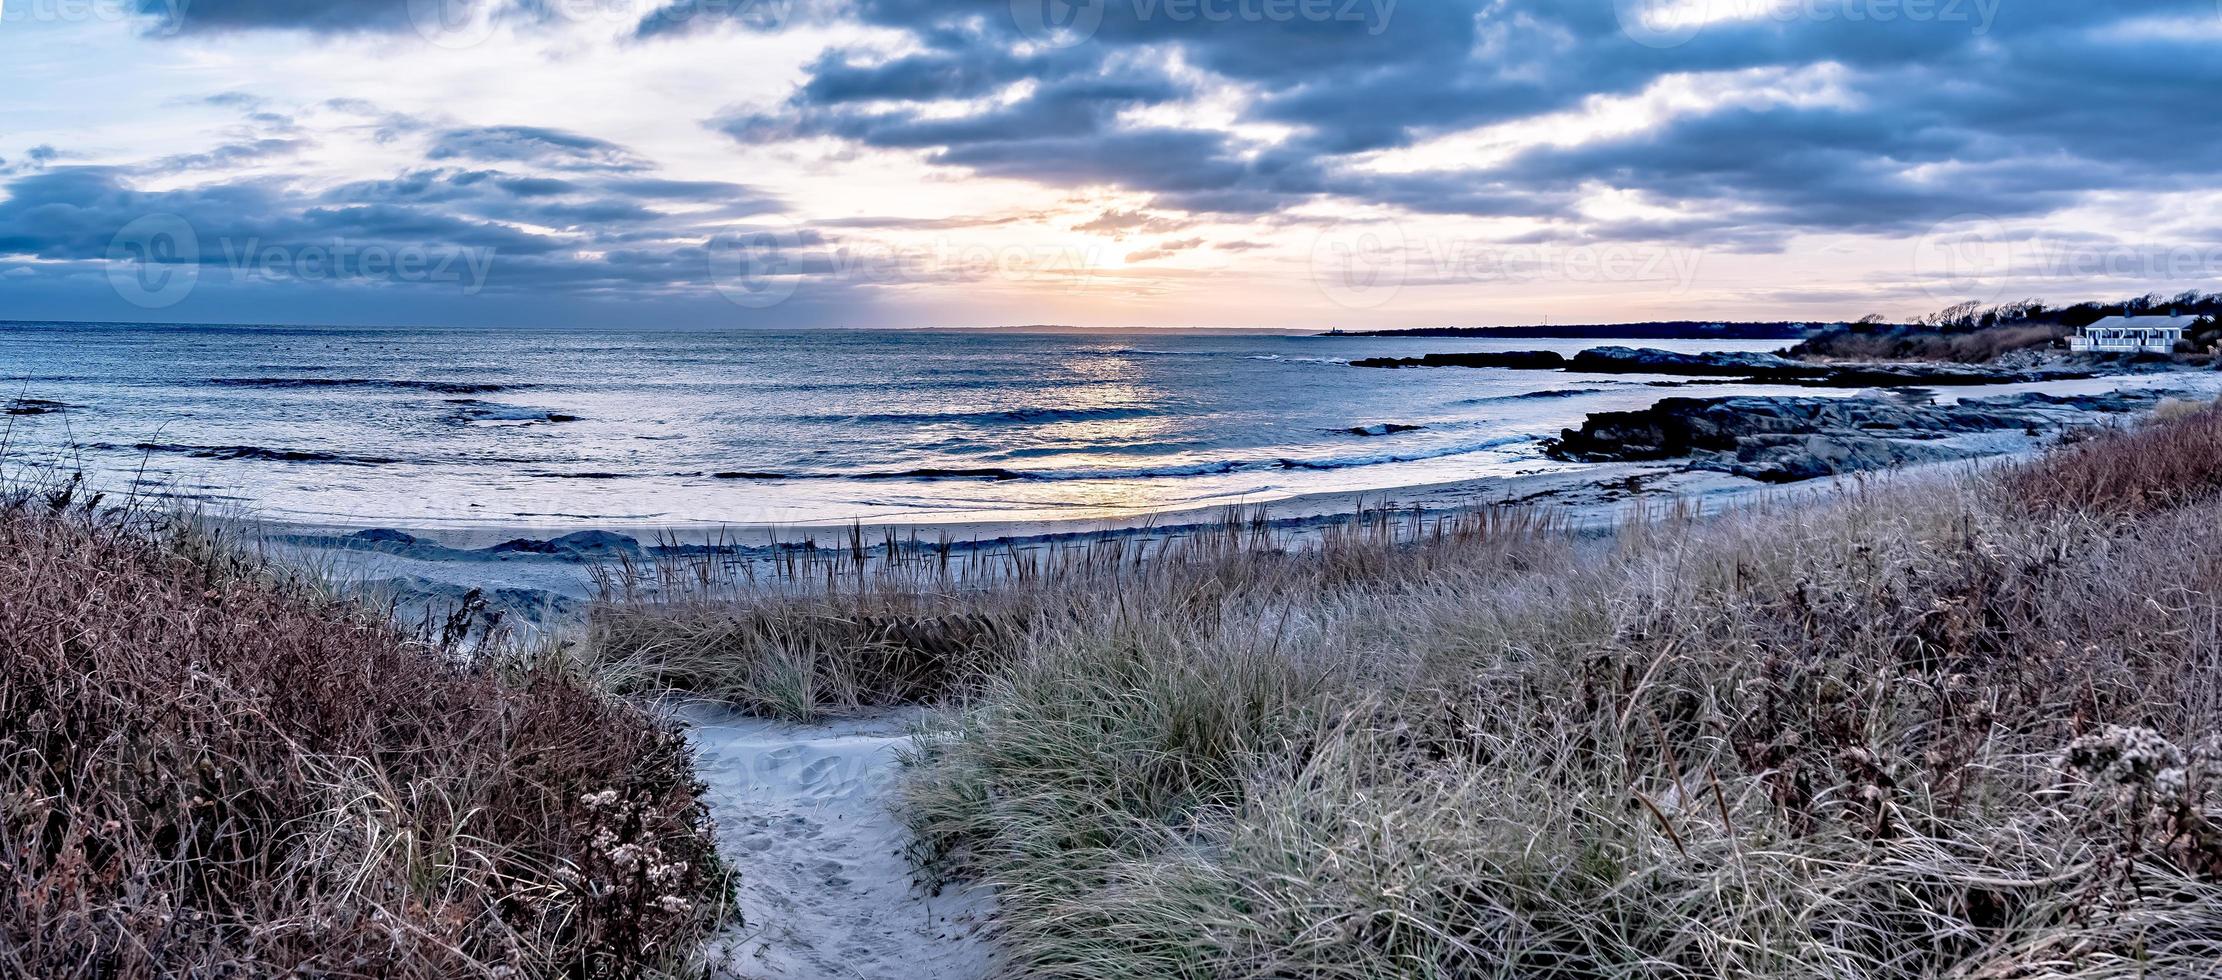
(2144, 323)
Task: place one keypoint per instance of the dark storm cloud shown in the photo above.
(686, 16)
(231, 156)
(1907, 114)
(177, 17)
(168, 18)
(1944, 108)
(308, 15)
(35, 158)
(1065, 131)
(582, 216)
(2013, 106)
(541, 145)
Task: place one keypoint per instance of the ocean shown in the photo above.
(433, 428)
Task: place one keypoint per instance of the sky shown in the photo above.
(1254, 163)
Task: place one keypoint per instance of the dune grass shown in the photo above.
(1955, 726)
(211, 768)
(833, 629)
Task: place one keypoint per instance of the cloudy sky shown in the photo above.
(1302, 163)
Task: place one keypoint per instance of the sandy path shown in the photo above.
(803, 813)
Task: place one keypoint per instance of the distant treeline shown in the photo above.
(1655, 330)
(1976, 316)
(1972, 332)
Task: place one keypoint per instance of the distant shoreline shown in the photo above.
(1649, 330)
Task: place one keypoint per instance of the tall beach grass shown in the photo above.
(1941, 726)
(210, 767)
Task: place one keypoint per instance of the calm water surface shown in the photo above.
(442, 427)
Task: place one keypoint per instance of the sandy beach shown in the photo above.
(543, 571)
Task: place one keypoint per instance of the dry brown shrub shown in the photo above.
(2125, 472)
(209, 770)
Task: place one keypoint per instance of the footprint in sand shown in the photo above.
(825, 888)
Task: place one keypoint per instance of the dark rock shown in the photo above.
(418, 600)
(33, 406)
(1786, 439)
(582, 544)
(1756, 368)
(1520, 360)
(383, 535)
(1761, 368)
(1382, 429)
(1631, 360)
(1779, 458)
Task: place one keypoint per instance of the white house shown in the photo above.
(2132, 334)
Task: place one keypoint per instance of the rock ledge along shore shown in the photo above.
(1786, 439)
(1762, 368)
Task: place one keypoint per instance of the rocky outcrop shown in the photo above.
(1521, 360)
(1382, 429)
(1788, 439)
(33, 406)
(1754, 368)
(1648, 360)
(1757, 368)
(576, 546)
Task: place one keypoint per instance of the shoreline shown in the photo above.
(547, 580)
(543, 571)
(544, 576)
